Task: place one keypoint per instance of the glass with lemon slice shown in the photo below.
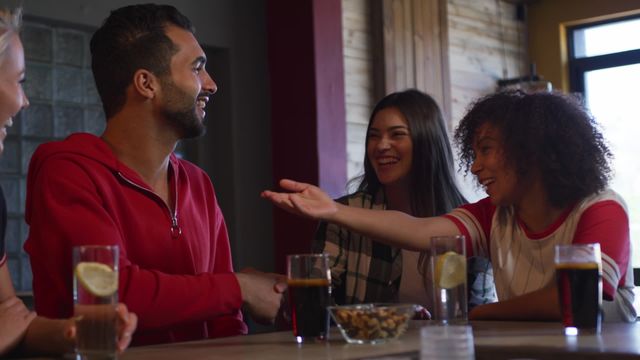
(95, 292)
(448, 264)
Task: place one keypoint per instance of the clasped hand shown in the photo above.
(261, 294)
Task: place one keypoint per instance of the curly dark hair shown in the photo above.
(547, 132)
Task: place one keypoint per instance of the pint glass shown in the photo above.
(309, 282)
(95, 292)
(579, 279)
(448, 264)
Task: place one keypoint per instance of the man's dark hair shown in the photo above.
(551, 133)
(132, 38)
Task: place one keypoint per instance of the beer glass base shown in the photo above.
(574, 331)
(307, 339)
(96, 355)
(452, 322)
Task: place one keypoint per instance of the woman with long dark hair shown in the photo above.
(408, 167)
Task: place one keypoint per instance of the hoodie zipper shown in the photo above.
(175, 230)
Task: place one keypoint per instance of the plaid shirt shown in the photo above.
(364, 270)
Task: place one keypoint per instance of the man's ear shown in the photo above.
(145, 83)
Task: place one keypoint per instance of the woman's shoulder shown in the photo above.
(606, 195)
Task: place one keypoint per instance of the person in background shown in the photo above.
(408, 167)
(128, 188)
(545, 167)
(21, 330)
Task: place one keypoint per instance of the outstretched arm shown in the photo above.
(540, 305)
(392, 227)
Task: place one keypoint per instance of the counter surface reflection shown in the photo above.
(493, 340)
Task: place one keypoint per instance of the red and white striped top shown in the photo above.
(524, 261)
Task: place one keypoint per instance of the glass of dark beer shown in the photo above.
(309, 280)
(579, 279)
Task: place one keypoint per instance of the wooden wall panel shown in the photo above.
(359, 83)
(414, 47)
(486, 43)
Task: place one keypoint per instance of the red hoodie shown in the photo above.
(175, 269)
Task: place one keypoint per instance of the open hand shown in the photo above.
(304, 199)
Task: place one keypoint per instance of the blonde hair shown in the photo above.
(10, 22)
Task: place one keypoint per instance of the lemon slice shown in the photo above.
(451, 270)
(98, 279)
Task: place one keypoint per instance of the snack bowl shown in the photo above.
(372, 323)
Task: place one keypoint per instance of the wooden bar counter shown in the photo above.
(493, 340)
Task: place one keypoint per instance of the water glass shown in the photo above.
(309, 282)
(95, 293)
(453, 342)
(448, 268)
(579, 280)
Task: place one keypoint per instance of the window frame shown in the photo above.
(579, 66)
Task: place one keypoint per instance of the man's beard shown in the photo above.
(180, 111)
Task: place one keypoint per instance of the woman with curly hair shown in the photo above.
(545, 167)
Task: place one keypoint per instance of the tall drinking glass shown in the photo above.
(309, 281)
(95, 293)
(579, 280)
(448, 266)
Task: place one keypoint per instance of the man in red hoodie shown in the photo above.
(128, 188)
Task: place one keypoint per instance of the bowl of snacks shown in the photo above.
(372, 323)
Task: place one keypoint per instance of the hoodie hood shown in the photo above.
(82, 148)
(83, 145)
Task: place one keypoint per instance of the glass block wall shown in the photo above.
(63, 100)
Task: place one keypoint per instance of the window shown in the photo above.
(604, 66)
